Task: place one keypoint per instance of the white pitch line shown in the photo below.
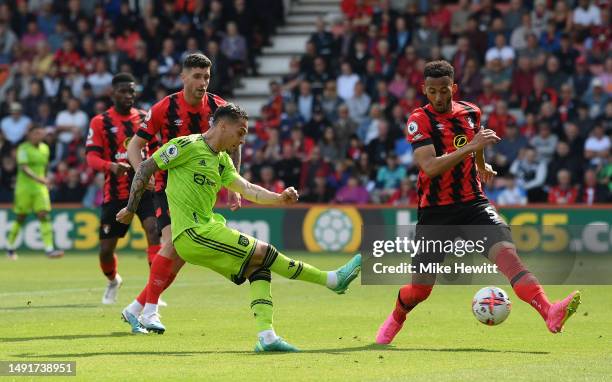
(78, 290)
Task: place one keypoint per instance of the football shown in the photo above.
(491, 305)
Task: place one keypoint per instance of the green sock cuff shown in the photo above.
(261, 304)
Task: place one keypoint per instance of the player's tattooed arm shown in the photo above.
(139, 184)
(260, 195)
(234, 199)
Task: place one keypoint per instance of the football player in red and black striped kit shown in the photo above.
(187, 112)
(448, 145)
(107, 141)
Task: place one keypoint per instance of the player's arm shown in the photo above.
(22, 162)
(234, 199)
(484, 169)
(426, 159)
(260, 195)
(28, 171)
(140, 182)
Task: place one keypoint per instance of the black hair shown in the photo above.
(196, 60)
(35, 126)
(121, 78)
(230, 111)
(440, 68)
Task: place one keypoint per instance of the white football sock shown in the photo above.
(268, 336)
(135, 308)
(332, 279)
(149, 309)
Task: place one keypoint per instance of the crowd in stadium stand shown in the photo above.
(57, 60)
(541, 71)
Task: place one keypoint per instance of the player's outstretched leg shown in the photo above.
(527, 288)
(338, 280)
(408, 298)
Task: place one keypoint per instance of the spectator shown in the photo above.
(592, 192)
(581, 79)
(500, 51)
(460, 17)
(595, 98)
(269, 182)
(319, 76)
(358, 104)
(70, 190)
(540, 16)
(555, 78)
(405, 195)
(586, 15)
(15, 125)
(507, 151)
(545, 143)
(597, 146)
(530, 174)
(288, 169)
(512, 18)
(330, 151)
(100, 80)
(71, 125)
(346, 82)
(330, 101)
(352, 193)
(563, 160)
(320, 193)
(400, 37)
(424, 37)
(518, 38)
(500, 118)
(8, 39)
(234, 47)
(512, 193)
(388, 177)
(322, 39)
(306, 101)
(563, 192)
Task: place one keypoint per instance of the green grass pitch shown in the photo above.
(51, 311)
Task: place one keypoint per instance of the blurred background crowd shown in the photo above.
(541, 72)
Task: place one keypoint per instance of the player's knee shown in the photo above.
(151, 232)
(261, 274)
(43, 216)
(502, 248)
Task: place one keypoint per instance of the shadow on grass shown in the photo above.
(66, 337)
(370, 347)
(66, 306)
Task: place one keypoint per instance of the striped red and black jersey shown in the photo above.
(108, 138)
(173, 117)
(446, 132)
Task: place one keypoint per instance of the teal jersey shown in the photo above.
(37, 159)
(195, 175)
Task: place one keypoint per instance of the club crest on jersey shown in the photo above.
(460, 141)
(202, 163)
(243, 240)
(413, 128)
(470, 122)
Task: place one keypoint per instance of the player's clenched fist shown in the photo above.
(124, 216)
(484, 138)
(289, 196)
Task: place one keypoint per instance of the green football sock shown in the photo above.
(261, 304)
(293, 269)
(46, 231)
(12, 236)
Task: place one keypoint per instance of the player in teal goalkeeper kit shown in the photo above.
(31, 192)
(198, 166)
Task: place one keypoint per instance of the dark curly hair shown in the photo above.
(437, 69)
(196, 60)
(230, 111)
